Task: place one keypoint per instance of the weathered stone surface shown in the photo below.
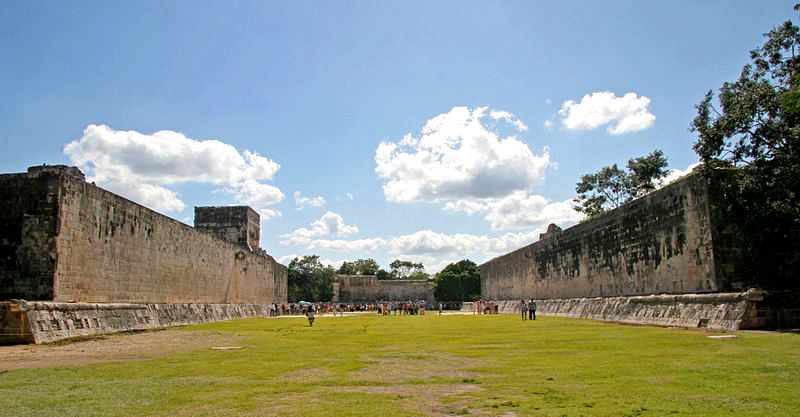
(28, 227)
(675, 242)
(720, 311)
(661, 243)
(552, 229)
(235, 224)
(368, 288)
(63, 239)
(43, 322)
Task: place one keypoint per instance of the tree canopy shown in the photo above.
(460, 281)
(310, 280)
(359, 267)
(611, 186)
(401, 269)
(752, 129)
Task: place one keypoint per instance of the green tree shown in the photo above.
(752, 129)
(611, 186)
(407, 270)
(460, 281)
(310, 280)
(359, 267)
(384, 274)
(419, 276)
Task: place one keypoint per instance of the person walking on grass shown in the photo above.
(531, 310)
(310, 315)
(523, 308)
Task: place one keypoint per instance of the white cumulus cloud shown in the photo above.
(330, 224)
(509, 118)
(301, 201)
(269, 214)
(370, 244)
(434, 247)
(457, 156)
(140, 166)
(626, 114)
(254, 193)
(522, 211)
(676, 174)
(427, 242)
(150, 195)
(518, 211)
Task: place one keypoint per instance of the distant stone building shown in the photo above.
(369, 289)
(236, 224)
(67, 242)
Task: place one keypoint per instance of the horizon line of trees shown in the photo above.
(311, 280)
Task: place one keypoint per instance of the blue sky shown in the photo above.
(424, 130)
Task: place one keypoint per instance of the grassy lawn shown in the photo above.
(431, 365)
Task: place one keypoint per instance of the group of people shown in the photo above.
(486, 307)
(293, 309)
(528, 308)
(384, 308)
(402, 308)
(388, 308)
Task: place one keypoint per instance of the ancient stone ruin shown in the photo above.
(664, 259)
(369, 289)
(76, 260)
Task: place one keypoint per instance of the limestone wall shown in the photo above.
(99, 247)
(661, 243)
(44, 322)
(368, 288)
(236, 224)
(28, 225)
(721, 311)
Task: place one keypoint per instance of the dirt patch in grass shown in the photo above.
(399, 369)
(431, 391)
(109, 348)
(425, 398)
(307, 375)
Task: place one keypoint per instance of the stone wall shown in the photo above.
(720, 311)
(661, 243)
(66, 240)
(236, 224)
(368, 288)
(44, 322)
(28, 229)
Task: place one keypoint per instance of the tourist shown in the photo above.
(310, 315)
(523, 308)
(532, 310)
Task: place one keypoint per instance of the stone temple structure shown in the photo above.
(667, 258)
(368, 289)
(76, 260)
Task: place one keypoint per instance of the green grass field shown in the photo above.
(431, 365)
